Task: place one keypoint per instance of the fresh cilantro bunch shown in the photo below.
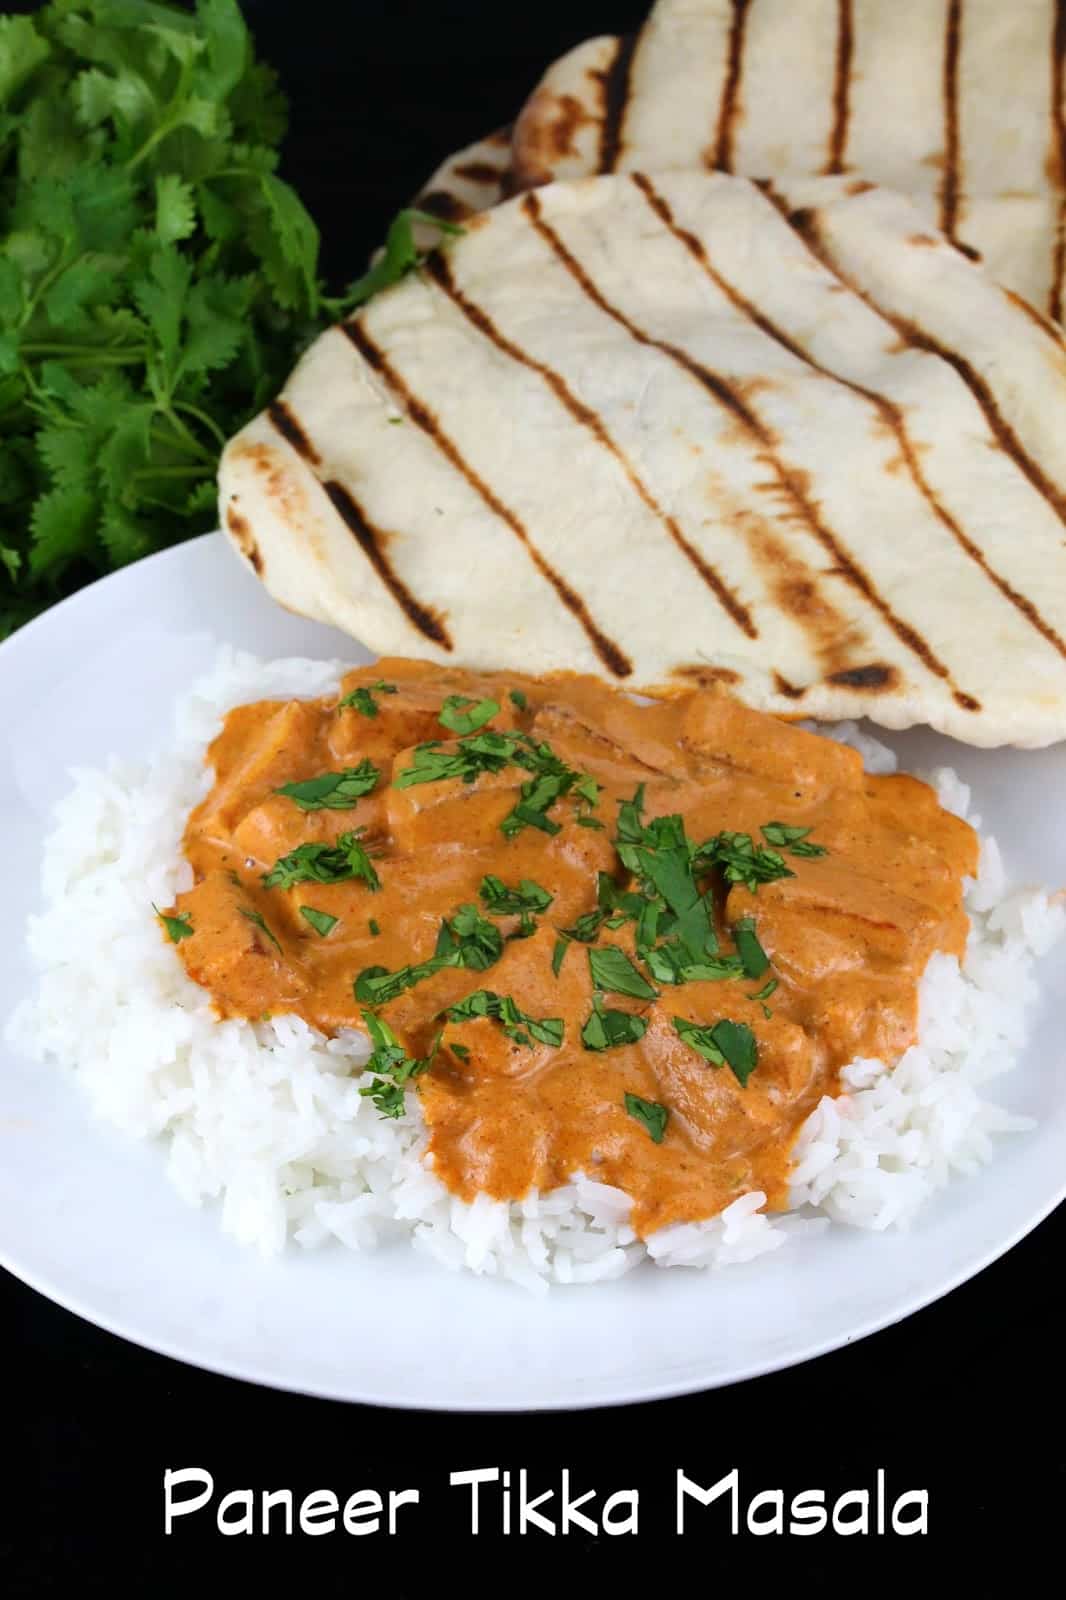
(157, 279)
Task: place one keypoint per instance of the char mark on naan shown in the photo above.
(959, 104)
(653, 427)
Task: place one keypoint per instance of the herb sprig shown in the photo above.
(158, 279)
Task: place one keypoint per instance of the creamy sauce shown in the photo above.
(848, 935)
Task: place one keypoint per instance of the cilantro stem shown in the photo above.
(81, 355)
(168, 121)
(168, 472)
(201, 416)
(45, 284)
(167, 410)
(180, 442)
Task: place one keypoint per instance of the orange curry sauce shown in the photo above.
(848, 935)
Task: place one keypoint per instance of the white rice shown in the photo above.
(266, 1119)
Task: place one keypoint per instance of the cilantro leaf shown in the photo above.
(485, 752)
(725, 1044)
(453, 714)
(478, 942)
(399, 257)
(323, 863)
(362, 699)
(502, 901)
(606, 1029)
(321, 921)
(376, 985)
(465, 939)
(649, 1113)
(391, 1067)
(260, 922)
(752, 955)
(333, 791)
(675, 911)
(492, 751)
(179, 927)
(741, 860)
(515, 1022)
(612, 970)
(792, 839)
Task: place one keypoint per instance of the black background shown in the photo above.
(965, 1399)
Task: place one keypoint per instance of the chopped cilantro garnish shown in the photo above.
(613, 903)
(376, 986)
(453, 714)
(750, 951)
(518, 700)
(491, 751)
(516, 1023)
(794, 840)
(392, 1067)
(502, 901)
(323, 863)
(333, 791)
(725, 1044)
(675, 923)
(666, 967)
(483, 752)
(741, 860)
(589, 822)
(465, 939)
(260, 922)
(553, 780)
(612, 970)
(373, 926)
(650, 1114)
(179, 927)
(362, 699)
(630, 813)
(605, 1029)
(321, 921)
(459, 1051)
(562, 945)
(478, 942)
(763, 995)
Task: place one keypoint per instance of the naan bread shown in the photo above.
(683, 430)
(958, 103)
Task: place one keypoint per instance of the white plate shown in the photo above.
(89, 1219)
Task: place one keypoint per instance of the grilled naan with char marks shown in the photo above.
(682, 430)
(957, 103)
